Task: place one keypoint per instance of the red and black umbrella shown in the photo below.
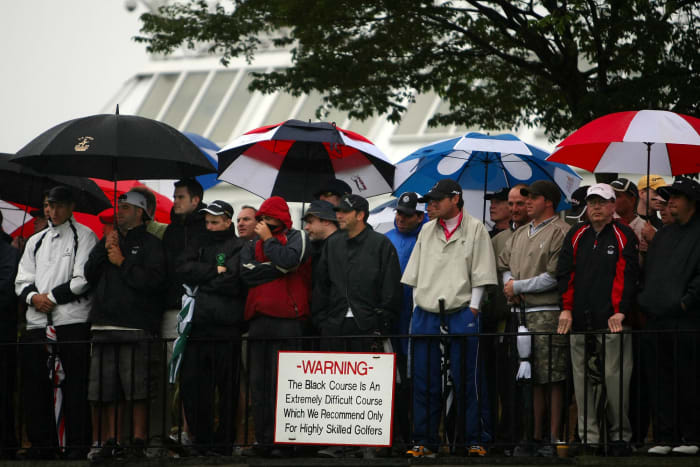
(295, 159)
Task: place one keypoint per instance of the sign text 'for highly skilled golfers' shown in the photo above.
(334, 398)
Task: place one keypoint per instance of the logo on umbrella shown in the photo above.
(359, 183)
(83, 143)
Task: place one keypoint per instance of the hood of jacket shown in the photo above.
(276, 207)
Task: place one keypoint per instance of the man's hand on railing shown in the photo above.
(565, 321)
(615, 322)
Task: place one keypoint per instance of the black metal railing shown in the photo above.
(643, 386)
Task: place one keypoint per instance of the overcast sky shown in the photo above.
(62, 59)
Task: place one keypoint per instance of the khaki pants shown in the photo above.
(588, 395)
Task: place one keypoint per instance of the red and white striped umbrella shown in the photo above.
(295, 159)
(57, 375)
(643, 141)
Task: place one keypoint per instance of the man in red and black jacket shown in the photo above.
(597, 275)
(277, 270)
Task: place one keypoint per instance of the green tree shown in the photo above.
(500, 64)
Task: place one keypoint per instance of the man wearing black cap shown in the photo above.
(333, 191)
(577, 213)
(52, 281)
(356, 287)
(626, 198)
(671, 299)
(499, 211)
(449, 268)
(529, 265)
(212, 355)
(320, 223)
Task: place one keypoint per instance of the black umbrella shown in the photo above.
(20, 184)
(115, 147)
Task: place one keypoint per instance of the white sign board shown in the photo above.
(331, 398)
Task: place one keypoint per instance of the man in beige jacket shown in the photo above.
(452, 262)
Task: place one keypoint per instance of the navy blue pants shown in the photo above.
(470, 392)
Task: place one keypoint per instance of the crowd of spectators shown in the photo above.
(571, 285)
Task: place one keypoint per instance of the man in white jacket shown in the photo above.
(51, 282)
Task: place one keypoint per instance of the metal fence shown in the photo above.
(635, 388)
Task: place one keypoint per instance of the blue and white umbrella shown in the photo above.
(209, 149)
(485, 163)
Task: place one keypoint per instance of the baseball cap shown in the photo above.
(653, 181)
(442, 189)
(684, 186)
(219, 208)
(407, 203)
(578, 203)
(500, 195)
(352, 203)
(334, 186)
(544, 188)
(603, 190)
(624, 185)
(135, 199)
(59, 194)
(321, 209)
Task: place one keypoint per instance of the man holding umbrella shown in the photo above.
(127, 269)
(451, 264)
(51, 280)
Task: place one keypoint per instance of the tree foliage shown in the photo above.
(500, 64)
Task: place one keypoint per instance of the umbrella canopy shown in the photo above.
(115, 147)
(209, 149)
(163, 203)
(295, 159)
(644, 141)
(482, 162)
(20, 184)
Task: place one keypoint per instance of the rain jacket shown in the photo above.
(221, 297)
(673, 272)
(53, 262)
(130, 295)
(597, 274)
(278, 271)
(182, 233)
(404, 243)
(9, 257)
(362, 274)
(450, 269)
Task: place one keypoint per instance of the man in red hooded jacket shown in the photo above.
(277, 268)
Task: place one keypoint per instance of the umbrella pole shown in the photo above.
(486, 182)
(648, 175)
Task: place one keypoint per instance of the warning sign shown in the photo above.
(334, 398)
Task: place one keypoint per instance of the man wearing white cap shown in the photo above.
(597, 274)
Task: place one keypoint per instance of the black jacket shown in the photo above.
(184, 232)
(9, 257)
(361, 273)
(221, 297)
(130, 295)
(598, 274)
(672, 272)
